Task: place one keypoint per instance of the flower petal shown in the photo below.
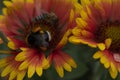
(72, 63)
(97, 55)
(21, 75)
(31, 70)
(45, 64)
(85, 2)
(67, 67)
(81, 22)
(71, 15)
(101, 46)
(107, 64)
(60, 71)
(76, 31)
(3, 62)
(74, 40)
(7, 3)
(108, 43)
(84, 15)
(63, 40)
(68, 59)
(21, 56)
(87, 34)
(13, 75)
(103, 60)
(39, 70)
(4, 10)
(113, 71)
(11, 45)
(6, 71)
(24, 65)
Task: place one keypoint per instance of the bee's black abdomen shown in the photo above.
(37, 40)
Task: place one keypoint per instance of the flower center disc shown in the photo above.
(41, 32)
(109, 30)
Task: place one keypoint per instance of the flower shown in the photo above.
(33, 29)
(98, 26)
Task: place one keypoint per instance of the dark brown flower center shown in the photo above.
(109, 30)
(43, 31)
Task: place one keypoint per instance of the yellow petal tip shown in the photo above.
(11, 45)
(101, 46)
(97, 55)
(7, 3)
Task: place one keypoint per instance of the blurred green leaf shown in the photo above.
(82, 54)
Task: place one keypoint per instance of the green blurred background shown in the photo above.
(88, 68)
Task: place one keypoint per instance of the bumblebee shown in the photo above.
(40, 37)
